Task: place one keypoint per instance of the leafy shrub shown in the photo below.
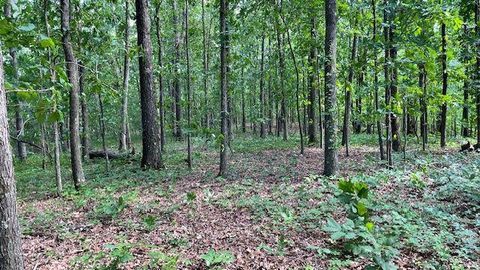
(215, 258)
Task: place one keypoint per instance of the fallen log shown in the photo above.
(110, 154)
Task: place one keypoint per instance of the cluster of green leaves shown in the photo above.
(214, 259)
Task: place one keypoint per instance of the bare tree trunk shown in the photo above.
(312, 83)
(161, 108)
(151, 151)
(72, 70)
(348, 96)
(281, 66)
(388, 94)
(262, 90)
(10, 234)
(396, 143)
(205, 68)
(443, 121)
(126, 76)
(477, 67)
(177, 94)
(331, 155)
(85, 135)
(375, 81)
(102, 124)
(189, 91)
(223, 86)
(424, 101)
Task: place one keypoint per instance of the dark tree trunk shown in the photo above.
(388, 88)
(161, 108)
(396, 144)
(151, 152)
(281, 67)
(126, 76)
(73, 75)
(348, 96)
(205, 68)
(331, 156)
(10, 235)
(223, 86)
(422, 83)
(443, 120)
(312, 83)
(177, 94)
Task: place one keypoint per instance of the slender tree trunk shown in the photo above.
(281, 59)
(161, 108)
(375, 81)
(388, 89)
(331, 156)
(348, 97)
(223, 86)
(10, 234)
(312, 83)
(73, 75)
(262, 90)
(443, 121)
(395, 130)
(297, 84)
(19, 123)
(85, 134)
(103, 131)
(477, 67)
(126, 76)
(151, 152)
(205, 68)
(189, 91)
(176, 82)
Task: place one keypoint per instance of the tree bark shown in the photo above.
(85, 135)
(189, 91)
(223, 86)
(331, 156)
(10, 235)
(205, 68)
(151, 152)
(73, 75)
(477, 67)
(396, 144)
(312, 83)
(348, 96)
(161, 108)
(443, 121)
(123, 146)
(177, 94)
(262, 90)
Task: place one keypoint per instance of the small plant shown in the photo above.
(149, 222)
(216, 258)
(120, 254)
(159, 260)
(110, 208)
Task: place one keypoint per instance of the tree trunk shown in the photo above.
(85, 135)
(422, 81)
(205, 68)
(348, 96)
(388, 93)
(73, 75)
(443, 121)
(177, 94)
(312, 83)
(281, 59)
(161, 108)
(10, 235)
(223, 86)
(375, 81)
(396, 144)
(189, 91)
(151, 152)
(262, 90)
(331, 156)
(477, 67)
(126, 76)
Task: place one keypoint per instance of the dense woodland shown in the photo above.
(240, 134)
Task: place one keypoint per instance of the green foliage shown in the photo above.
(119, 254)
(216, 258)
(110, 208)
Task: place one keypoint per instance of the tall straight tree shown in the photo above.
(10, 240)
(262, 90)
(443, 108)
(151, 152)
(19, 122)
(312, 82)
(177, 94)
(477, 67)
(375, 80)
(126, 76)
(73, 76)
(189, 90)
(161, 109)
(348, 96)
(205, 67)
(331, 155)
(223, 86)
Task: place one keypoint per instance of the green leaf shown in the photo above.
(47, 43)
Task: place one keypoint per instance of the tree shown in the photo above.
(10, 240)
(161, 102)
(189, 91)
(73, 76)
(223, 86)
(331, 156)
(151, 151)
(375, 80)
(312, 82)
(443, 114)
(126, 76)
(477, 66)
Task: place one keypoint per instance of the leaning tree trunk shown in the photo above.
(223, 86)
(126, 76)
(443, 120)
(72, 70)
(331, 156)
(151, 151)
(10, 238)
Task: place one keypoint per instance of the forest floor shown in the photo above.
(274, 210)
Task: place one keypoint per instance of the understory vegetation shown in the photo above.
(273, 211)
